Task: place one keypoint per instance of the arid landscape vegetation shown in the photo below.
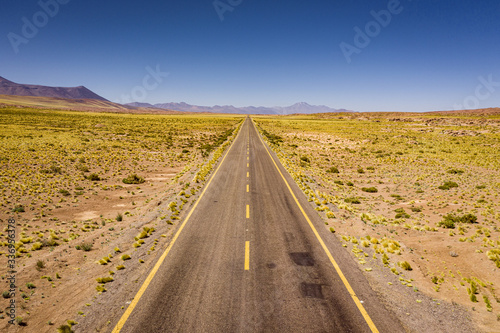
(250, 166)
(81, 187)
(413, 197)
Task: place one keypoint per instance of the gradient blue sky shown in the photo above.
(264, 53)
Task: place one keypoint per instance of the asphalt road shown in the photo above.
(248, 260)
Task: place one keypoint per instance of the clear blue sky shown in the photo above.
(264, 53)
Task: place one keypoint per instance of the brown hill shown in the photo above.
(11, 88)
(74, 104)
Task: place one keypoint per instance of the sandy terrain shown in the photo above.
(406, 160)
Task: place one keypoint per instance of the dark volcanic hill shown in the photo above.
(11, 88)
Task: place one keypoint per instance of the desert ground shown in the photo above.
(96, 196)
(85, 190)
(413, 197)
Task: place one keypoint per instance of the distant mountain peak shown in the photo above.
(301, 107)
(4, 80)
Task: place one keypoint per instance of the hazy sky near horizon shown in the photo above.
(362, 55)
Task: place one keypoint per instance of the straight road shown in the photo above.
(253, 257)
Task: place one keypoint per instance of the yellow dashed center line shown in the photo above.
(247, 255)
(248, 174)
(248, 211)
(248, 188)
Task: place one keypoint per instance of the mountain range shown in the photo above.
(301, 107)
(82, 93)
(11, 88)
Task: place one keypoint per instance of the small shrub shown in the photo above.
(360, 170)
(333, 170)
(494, 255)
(20, 321)
(133, 179)
(53, 169)
(6, 294)
(18, 209)
(487, 302)
(401, 214)
(448, 185)
(450, 219)
(50, 242)
(86, 247)
(119, 217)
(468, 218)
(93, 177)
(305, 159)
(455, 171)
(36, 246)
(30, 285)
(448, 222)
(338, 182)
(397, 196)
(126, 257)
(352, 200)
(369, 189)
(100, 288)
(120, 267)
(64, 192)
(105, 279)
(40, 264)
(405, 265)
(82, 168)
(141, 235)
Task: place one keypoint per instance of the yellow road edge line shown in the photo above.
(247, 255)
(323, 245)
(151, 275)
(248, 211)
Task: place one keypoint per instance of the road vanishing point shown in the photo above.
(252, 255)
